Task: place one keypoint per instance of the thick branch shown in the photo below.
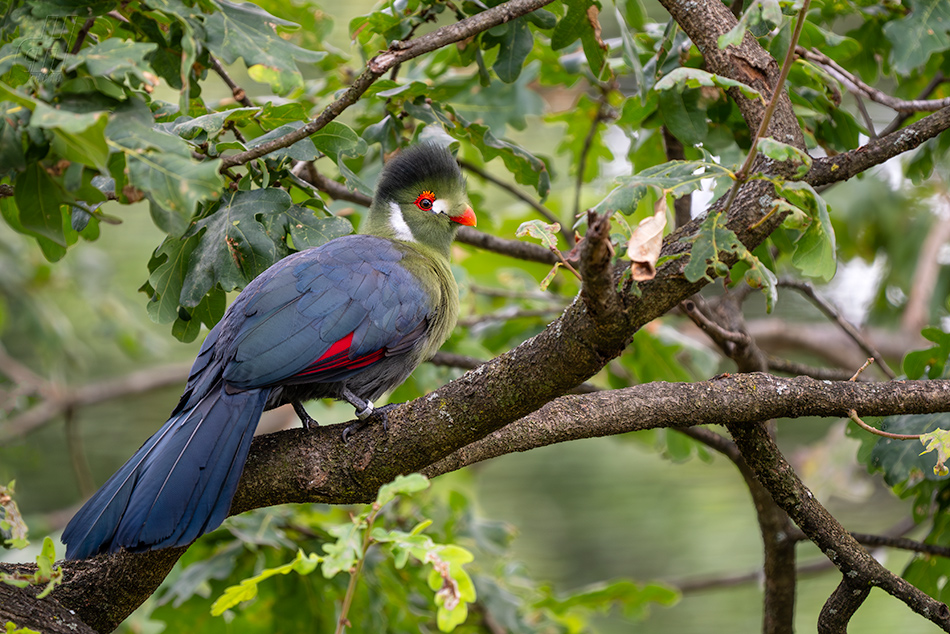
(860, 569)
(740, 399)
(841, 167)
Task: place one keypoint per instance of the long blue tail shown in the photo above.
(178, 485)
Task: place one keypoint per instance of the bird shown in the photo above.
(347, 320)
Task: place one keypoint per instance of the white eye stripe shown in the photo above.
(400, 228)
(439, 206)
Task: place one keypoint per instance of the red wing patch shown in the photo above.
(338, 358)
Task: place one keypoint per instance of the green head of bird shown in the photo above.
(421, 198)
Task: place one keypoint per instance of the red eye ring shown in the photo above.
(425, 201)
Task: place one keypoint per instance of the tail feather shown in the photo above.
(178, 485)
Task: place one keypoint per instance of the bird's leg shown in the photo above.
(364, 408)
(305, 419)
(364, 411)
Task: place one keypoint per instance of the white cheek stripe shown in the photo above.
(439, 206)
(400, 228)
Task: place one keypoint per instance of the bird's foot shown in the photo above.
(305, 419)
(365, 412)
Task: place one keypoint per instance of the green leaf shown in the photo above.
(247, 589)
(760, 15)
(918, 35)
(684, 115)
(713, 239)
(677, 177)
(931, 360)
(683, 77)
(815, 248)
(36, 198)
(210, 126)
(778, 151)
(78, 137)
(402, 485)
(160, 164)
(939, 441)
(632, 599)
(306, 229)
(900, 461)
(526, 168)
(581, 21)
(272, 116)
(302, 150)
(168, 268)
(235, 245)
(113, 58)
(546, 233)
(249, 32)
(337, 139)
(515, 41)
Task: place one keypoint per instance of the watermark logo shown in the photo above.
(39, 54)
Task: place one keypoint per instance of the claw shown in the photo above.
(305, 419)
(366, 417)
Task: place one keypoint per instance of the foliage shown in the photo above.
(124, 111)
(407, 549)
(13, 525)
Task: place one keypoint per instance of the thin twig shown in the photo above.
(853, 415)
(778, 364)
(928, 90)
(239, 93)
(743, 174)
(585, 151)
(808, 291)
(81, 36)
(861, 369)
(858, 87)
(692, 311)
(517, 193)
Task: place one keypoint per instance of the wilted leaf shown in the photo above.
(939, 441)
(646, 242)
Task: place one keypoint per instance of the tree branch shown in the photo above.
(841, 167)
(858, 87)
(378, 66)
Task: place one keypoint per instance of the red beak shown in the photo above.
(467, 218)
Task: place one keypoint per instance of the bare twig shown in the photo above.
(808, 291)
(58, 399)
(81, 36)
(777, 364)
(853, 415)
(517, 193)
(928, 90)
(239, 94)
(864, 367)
(841, 167)
(692, 311)
(746, 170)
(858, 87)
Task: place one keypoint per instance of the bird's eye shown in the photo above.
(425, 201)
